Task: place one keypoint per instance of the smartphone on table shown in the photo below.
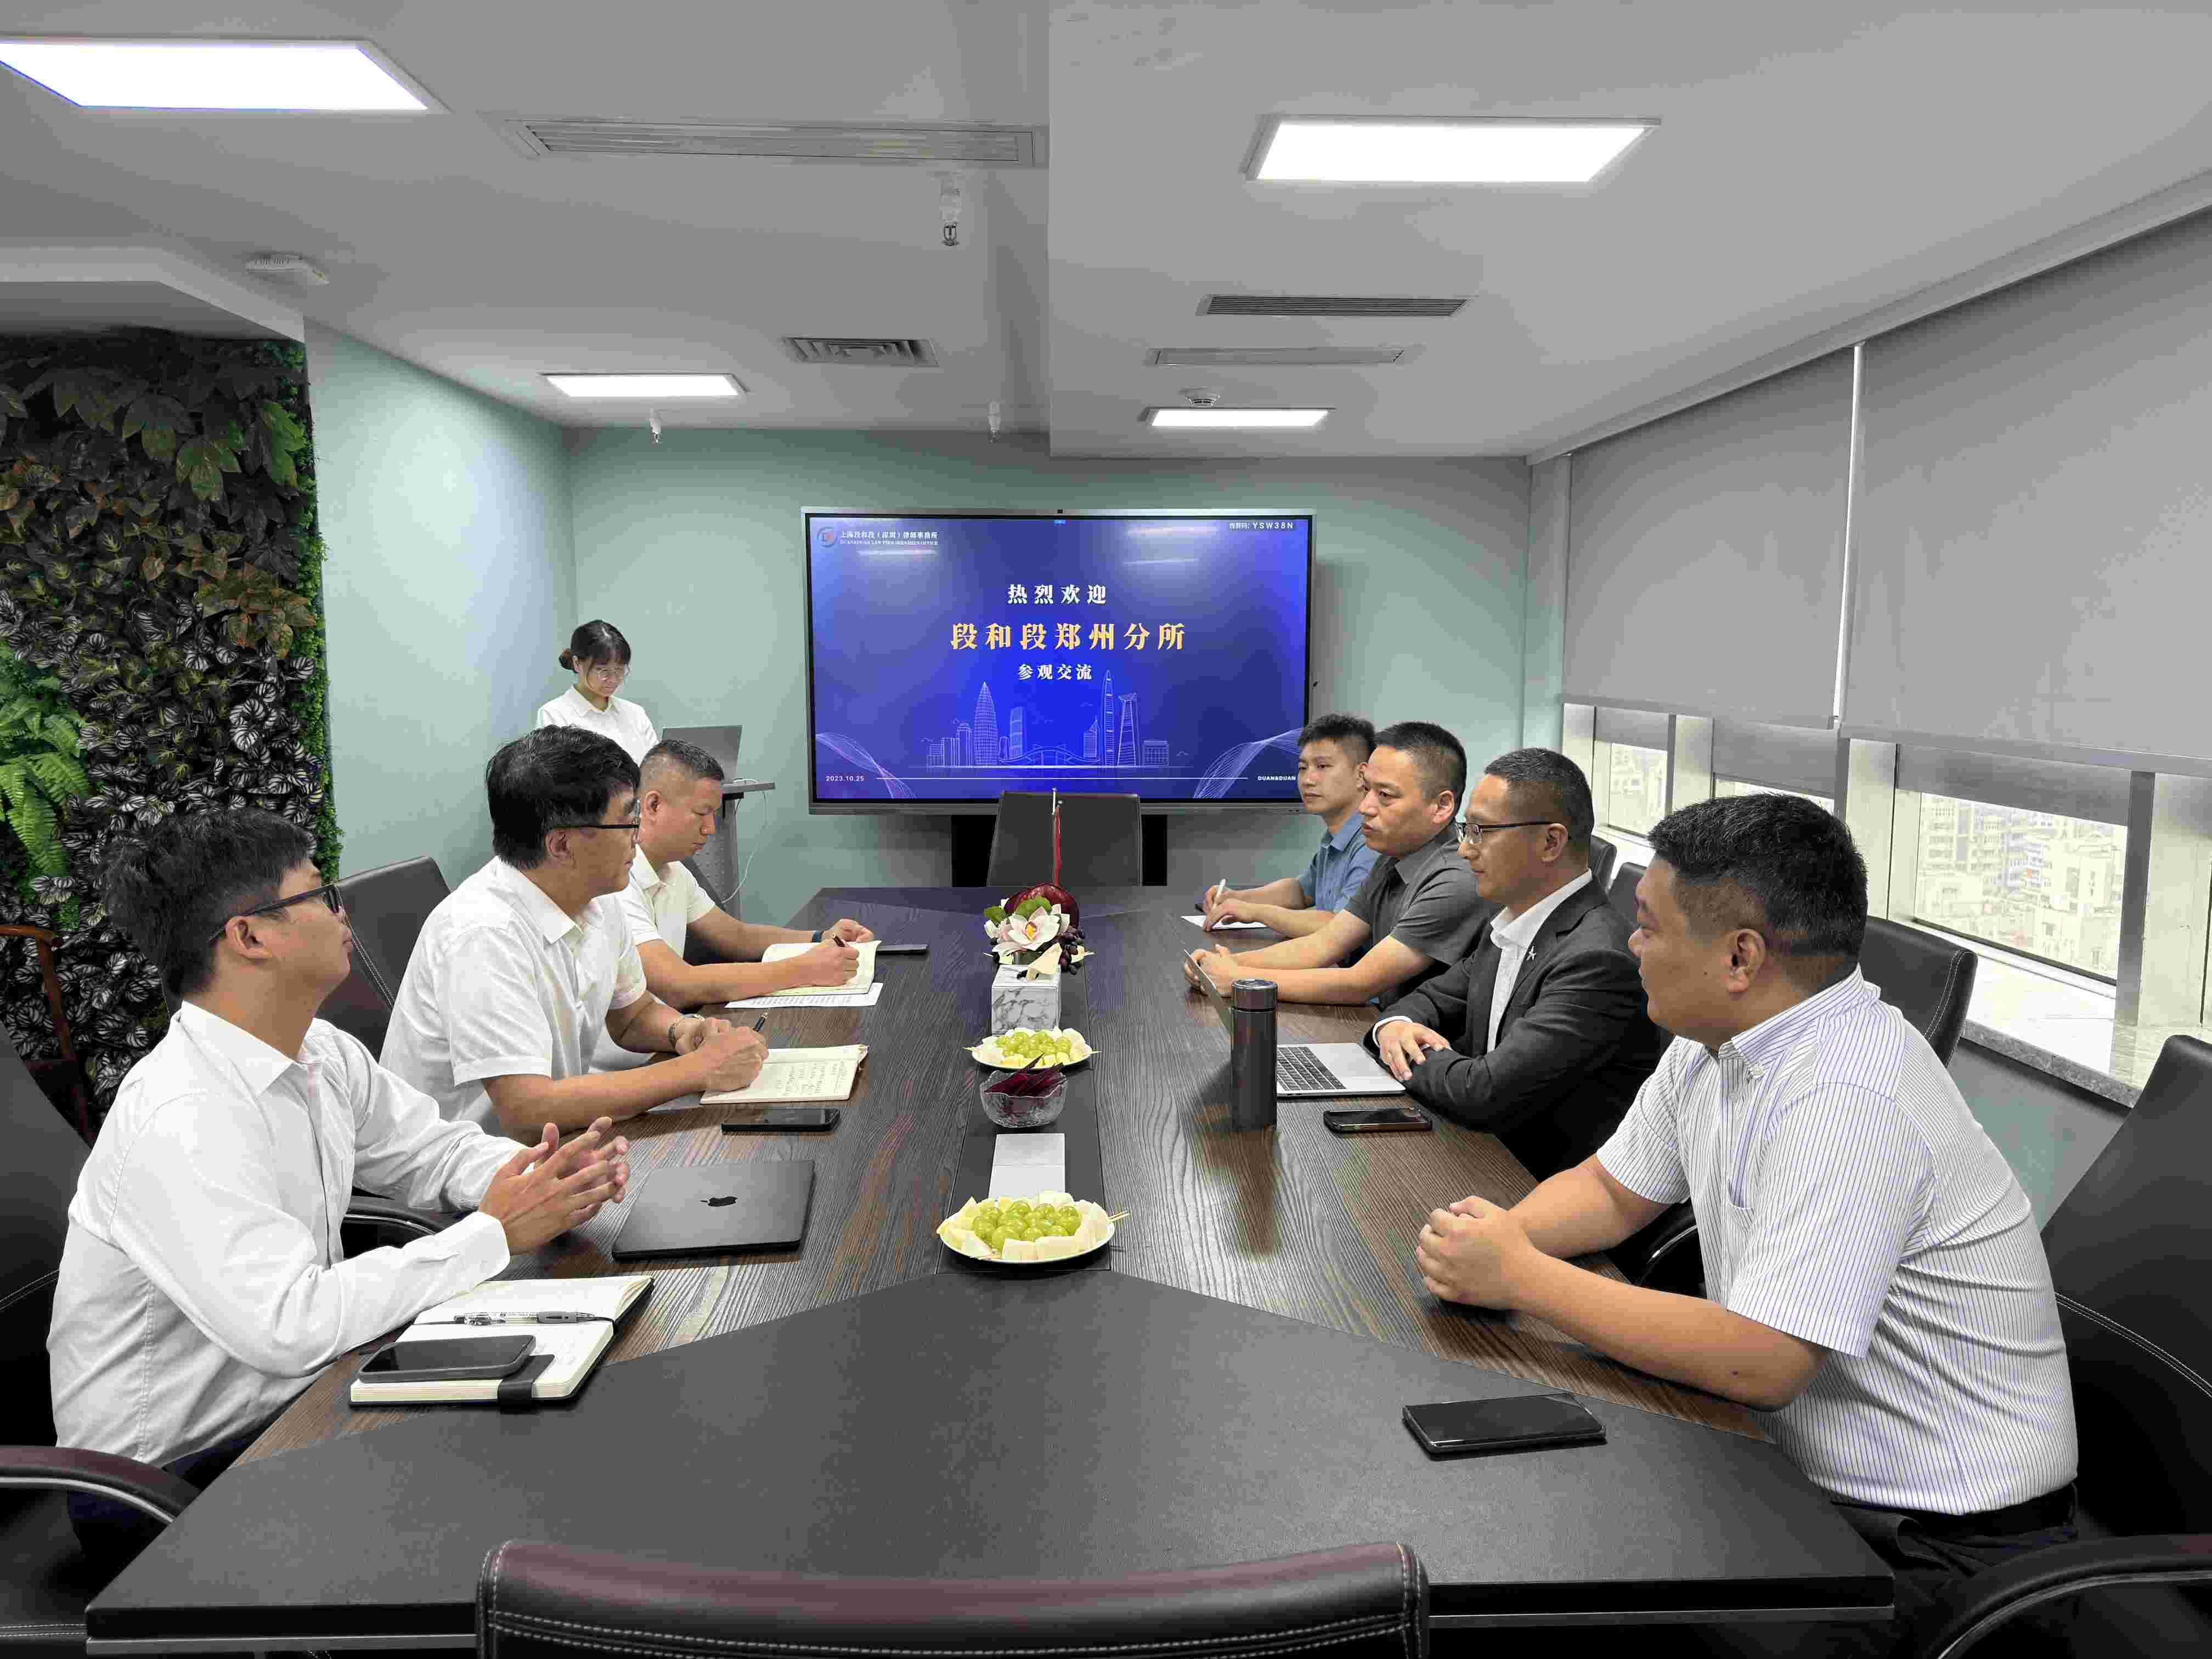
(1376, 1120)
(786, 1117)
(449, 1360)
(1521, 1422)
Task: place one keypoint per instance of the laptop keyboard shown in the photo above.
(1296, 1068)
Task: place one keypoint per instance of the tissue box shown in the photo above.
(1019, 1001)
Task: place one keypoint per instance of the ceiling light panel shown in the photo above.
(303, 76)
(1357, 150)
(1218, 419)
(646, 386)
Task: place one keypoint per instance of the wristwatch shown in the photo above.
(818, 935)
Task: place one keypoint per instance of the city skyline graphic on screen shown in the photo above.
(955, 658)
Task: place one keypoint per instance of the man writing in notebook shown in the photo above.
(1333, 752)
(1417, 912)
(523, 966)
(202, 1286)
(680, 798)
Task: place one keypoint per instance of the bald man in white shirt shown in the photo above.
(202, 1286)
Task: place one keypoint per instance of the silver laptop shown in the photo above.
(1311, 1070)
(722, 742)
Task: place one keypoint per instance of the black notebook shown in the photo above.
(748, 1204)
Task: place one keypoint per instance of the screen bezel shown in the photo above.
(1163, 807)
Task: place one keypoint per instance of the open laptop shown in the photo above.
(722, 742)
(1315, 1070)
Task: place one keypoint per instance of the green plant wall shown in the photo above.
(160, 581)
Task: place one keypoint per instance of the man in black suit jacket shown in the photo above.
(1540, 1037)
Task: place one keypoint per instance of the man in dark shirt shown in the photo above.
(1417, 912)
(1540, 1037)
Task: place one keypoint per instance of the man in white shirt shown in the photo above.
(1876, 1276)
(521, 968)
(202, 1286)
(679, 800)
(1538, 1037)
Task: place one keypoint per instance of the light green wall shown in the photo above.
(449, 590)
(692, 547)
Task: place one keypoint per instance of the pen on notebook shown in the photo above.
(515, 1319)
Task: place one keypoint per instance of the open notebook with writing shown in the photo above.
(787, 1074)
(864, 971)
(565, 1350)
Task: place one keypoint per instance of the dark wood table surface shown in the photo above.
(1294, 1220)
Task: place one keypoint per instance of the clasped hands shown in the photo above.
(1470, 1252)
(544, 1190)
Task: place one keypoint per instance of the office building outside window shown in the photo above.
(1635, 788)
(2043, 885)
(1737, 786)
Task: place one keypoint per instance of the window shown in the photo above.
(1635, 788)
(2035, 883)
(1737, 786)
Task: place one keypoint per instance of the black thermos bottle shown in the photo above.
(1252, 1054)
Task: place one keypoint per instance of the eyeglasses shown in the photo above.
(612, 676)
(328, 893)
(1471, 832)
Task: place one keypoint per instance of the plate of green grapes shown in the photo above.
(1010, 1050)
(1044, 1227)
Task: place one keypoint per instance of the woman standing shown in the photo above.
(598, 656)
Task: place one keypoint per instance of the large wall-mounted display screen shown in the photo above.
(953, 657)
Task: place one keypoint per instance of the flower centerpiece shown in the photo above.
(1037, 930)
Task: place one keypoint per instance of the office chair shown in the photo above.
(48, 1583)
(2128, 1257)
(1622, 894)
(1924, 977)
(1100, 842)
(1602, 854)
(722, 742)
(545, 1601)
(387, 906)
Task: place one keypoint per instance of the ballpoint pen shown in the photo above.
(515, 1319)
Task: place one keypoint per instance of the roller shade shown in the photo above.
(2032, 536)
(1704, 562)
(1780, 756)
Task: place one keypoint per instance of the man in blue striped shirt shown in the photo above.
(1876, 1276)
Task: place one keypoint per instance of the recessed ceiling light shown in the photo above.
(1217, 419)
(648, 385)
(325, 75)
(1382, 150)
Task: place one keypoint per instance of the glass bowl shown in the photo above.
(1025, 1111)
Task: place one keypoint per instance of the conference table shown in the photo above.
(1223, 1383)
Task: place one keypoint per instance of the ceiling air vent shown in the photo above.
(922, 143)
(1273, 357)
(856, 352)
(1325, 304)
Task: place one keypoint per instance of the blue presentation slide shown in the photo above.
(956, 657)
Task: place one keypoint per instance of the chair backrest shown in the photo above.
(388, 906)
(38, 1178)
(536, 1600)
(1927, 979)
(1622, 894)
(722, 742)
(1602, 854)
(2130, 1255)
(359, 1007)
(1101, 841)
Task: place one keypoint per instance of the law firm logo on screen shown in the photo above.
(827, 536)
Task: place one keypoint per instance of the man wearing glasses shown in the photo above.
(202, 1285)
(520, 967)
(1540, 1036)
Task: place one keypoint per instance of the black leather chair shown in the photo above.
(1100, 842)
(47, 1583)
(1603, 853)
(1622, 894)
(387, 906)
(545, 1602)
(1924, 977)
(2130, 1254)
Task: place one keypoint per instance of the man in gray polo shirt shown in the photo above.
(1418, 912)
(1876, 1278)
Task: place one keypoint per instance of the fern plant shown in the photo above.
(40, 737)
